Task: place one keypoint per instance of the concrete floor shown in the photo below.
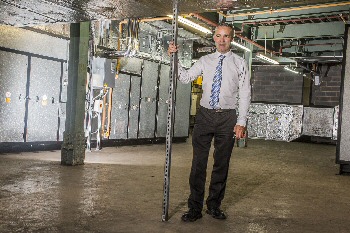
(272, 187)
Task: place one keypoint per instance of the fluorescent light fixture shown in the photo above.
(265, 58)
(192, 24)
(291, 70)
(240, 46)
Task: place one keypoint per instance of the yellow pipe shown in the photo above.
(285, 10)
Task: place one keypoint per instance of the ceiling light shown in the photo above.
(240, 46)
(291, 70)
(192, 24)
(265, 58)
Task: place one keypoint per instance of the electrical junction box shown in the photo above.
(103, 72)
(98, 106)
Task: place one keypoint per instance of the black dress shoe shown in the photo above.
(216, 213)
(191, 215)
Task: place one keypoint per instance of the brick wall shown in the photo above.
(327, 93)
(274, 84)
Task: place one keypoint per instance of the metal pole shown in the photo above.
(170, 116)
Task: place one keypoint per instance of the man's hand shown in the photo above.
(239, 131)
(172, 48)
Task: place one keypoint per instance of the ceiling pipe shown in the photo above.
(208, 21)
(271, 11)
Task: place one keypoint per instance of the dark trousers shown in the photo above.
(211, 124)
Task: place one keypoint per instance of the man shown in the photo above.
(226, 86)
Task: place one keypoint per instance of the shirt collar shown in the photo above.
(228, 54)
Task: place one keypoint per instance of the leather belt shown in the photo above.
(217, 110)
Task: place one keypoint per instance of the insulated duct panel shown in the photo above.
(62, 120)
(284, 122)
(257, 120)
(64, 83)
(103, 72)
(131, 65)
(134, 107)
(13, 72)
(335, 123)
(44, 90)
(182, 109)
(120, 107)
(148, 99)
(275, 121)
(163, 100)
(318, 122)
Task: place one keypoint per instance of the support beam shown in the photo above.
(343, 143)
(296, 46)
(73, 147)
(256, 14)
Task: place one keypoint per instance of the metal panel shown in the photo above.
(103, 72)
(43, 106)
(131, 65)
(64, 83)
(120, 107)
(134, 107)
(61, 120)
(13, 79)
(146, 41)
(148, 99)
(163, 100)
(318, 122)
(33, 42)
(182, 109)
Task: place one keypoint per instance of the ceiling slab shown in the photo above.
(34, 12)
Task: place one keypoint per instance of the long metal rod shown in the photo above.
(170, 116)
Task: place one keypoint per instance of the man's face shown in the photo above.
(223, 38)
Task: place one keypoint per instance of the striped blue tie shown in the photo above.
(215, 88)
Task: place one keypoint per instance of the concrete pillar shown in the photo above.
(307, 87)
(73, 147)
